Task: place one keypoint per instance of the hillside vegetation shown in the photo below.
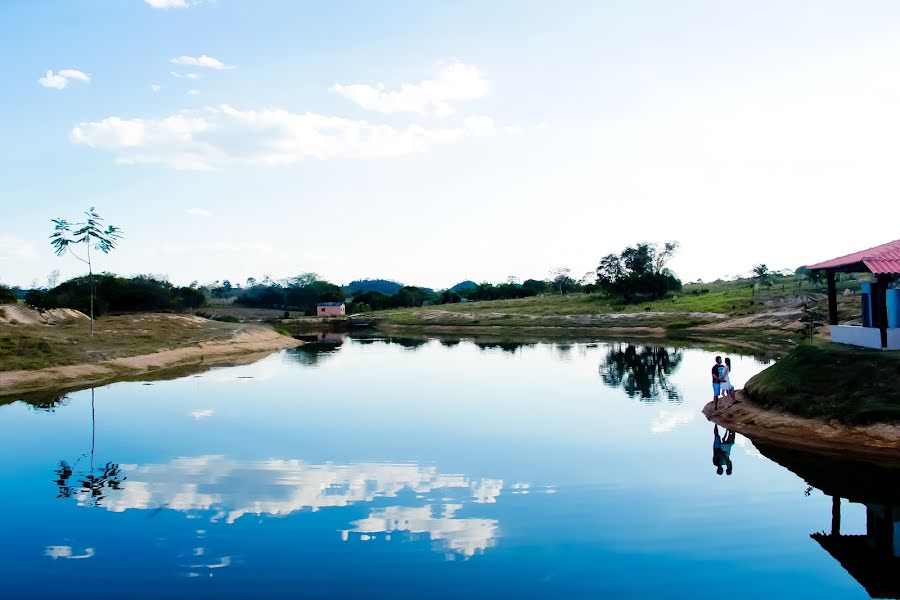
(737, 304)
(830, 381)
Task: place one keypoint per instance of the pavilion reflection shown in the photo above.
(873, 557)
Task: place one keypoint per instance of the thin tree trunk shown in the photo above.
(93, 430)
(91, 279)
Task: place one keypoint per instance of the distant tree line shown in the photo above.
(301, 293)
(636, 274)
(117, 294)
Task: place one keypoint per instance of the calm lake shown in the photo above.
(391, 468)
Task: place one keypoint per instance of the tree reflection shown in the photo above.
(96, 482)
(642, 371)
(63, 473)
(510, 347)
(316, 347)
(45, 401)
(93, 482)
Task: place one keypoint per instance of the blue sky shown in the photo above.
(432, 142)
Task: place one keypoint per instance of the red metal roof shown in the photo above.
(883, 259)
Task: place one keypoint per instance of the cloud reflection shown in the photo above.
(667, 420)
(56, 552)
(464, 536)
(230, 489)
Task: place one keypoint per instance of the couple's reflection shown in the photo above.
(722, 446)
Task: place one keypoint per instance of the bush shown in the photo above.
(117, 294)
(7, 296)
(224, 318)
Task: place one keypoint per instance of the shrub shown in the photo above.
(7, 296)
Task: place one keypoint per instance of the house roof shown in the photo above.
(882, 260)
(331, 303)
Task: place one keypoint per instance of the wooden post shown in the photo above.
(883, 281)
(835, 515)
(832, 299)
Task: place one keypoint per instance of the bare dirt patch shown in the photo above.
(14, 314)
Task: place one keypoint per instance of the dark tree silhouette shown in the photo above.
(642, 371)
(90, 233)
(93, 482)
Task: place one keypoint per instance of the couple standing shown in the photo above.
(721, 381)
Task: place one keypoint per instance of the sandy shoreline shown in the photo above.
(251, 341)
(880, 442)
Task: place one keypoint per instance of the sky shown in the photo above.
(432, 142)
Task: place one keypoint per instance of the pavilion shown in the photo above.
(880, 304)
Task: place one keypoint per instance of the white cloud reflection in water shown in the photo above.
(464, 536)
(231, 489)
(66, 552)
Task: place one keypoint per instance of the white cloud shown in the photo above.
(202, 414)
(60, 80)
(155, 88)
(171, 3)
(74, 74)
(13, 248)
(178, 75)
(203, 60)
(221, 136)
(454, 82)
(198, 212)
(193, 92)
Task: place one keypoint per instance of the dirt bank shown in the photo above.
(21, 315)
(879, 442)
(249, 340)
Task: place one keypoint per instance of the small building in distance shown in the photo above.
(330, 309)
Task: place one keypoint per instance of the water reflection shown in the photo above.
(94, 482)
(871, 557)
(510, 347)
(316, 347)
(642, 371)
(42, 401)
(722, 446)
(464, 536)
(227, 489)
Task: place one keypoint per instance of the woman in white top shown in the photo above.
(727, 388)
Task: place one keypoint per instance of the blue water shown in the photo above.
(381, 469)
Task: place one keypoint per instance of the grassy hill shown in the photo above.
(853, 385)
(740, 303)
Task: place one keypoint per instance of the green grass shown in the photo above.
(40, 346)
(733, 298)
(854, 386)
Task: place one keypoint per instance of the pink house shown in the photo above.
(330, 309)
